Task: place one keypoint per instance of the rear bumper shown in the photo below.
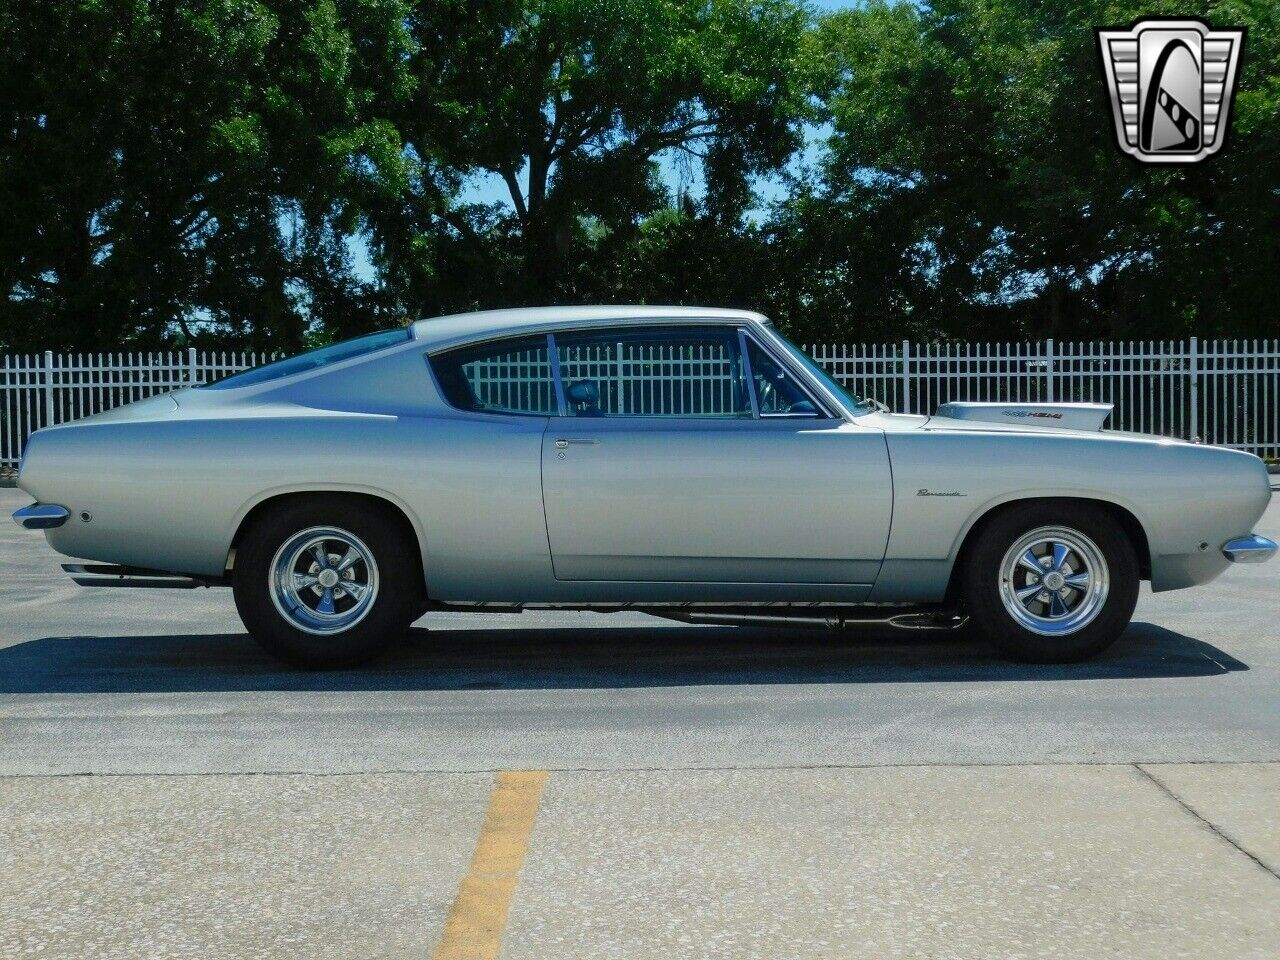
(41, 516)
(1250, 549)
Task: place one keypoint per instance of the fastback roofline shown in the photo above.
(458, 330)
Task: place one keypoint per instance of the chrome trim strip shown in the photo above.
(41, 516)
(1250, 549)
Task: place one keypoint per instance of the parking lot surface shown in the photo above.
(575, 785)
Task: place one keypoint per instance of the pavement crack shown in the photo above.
(1213, 828)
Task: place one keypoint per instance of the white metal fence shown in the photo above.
(1223, 392)
(38, 390)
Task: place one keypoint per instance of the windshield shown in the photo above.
(858, 404)
(313, 359)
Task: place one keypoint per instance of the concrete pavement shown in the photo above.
(940, 862)
(710, 792)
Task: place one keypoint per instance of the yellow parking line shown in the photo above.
(478, 917)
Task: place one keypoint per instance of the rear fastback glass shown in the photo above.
(314, 359)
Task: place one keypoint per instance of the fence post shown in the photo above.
(1048, 369)
(191, 366)
(906, 376)
(1193, 368)
(48, 388)
(622, 386)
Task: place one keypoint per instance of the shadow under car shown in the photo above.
(541, 658)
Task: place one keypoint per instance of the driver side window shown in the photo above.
(685, 372)
(777, 393)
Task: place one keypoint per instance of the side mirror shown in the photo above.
(804, 408)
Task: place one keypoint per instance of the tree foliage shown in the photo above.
(984, 125)
(273, 172)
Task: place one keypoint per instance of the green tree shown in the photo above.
(984, 124)
(181, 162)
(570, 103)
(204, 170)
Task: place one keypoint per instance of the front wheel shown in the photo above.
(326, 582)
(1050, 582)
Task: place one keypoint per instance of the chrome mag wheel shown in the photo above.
(323, 580)
(1054, 581)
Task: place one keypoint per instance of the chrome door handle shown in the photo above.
(565, 441)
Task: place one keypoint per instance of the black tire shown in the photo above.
(983, 581)
(396, 599)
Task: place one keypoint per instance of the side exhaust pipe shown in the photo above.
(916, 620)
(112, 575)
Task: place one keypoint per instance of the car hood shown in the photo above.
(1086, 417)
(906, 423)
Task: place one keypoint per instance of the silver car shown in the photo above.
(686, 462)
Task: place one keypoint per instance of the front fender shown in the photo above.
(1182, 496)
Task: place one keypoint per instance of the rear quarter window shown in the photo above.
(509, 376)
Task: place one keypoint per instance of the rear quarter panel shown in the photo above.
(170, 494)
(168, 488)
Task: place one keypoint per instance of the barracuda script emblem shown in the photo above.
(1171, 83)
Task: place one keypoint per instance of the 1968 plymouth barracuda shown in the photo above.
(682, 461)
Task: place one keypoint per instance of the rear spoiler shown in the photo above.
(1067, 416)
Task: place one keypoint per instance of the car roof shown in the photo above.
(462, 328)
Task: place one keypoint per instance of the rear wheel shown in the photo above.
(1050, 581)
(326, 582)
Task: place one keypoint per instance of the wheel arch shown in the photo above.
(1124, 517)
(391, 507)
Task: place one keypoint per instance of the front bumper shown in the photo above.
(1250, 549)
(41, 516)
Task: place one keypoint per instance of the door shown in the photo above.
(673, 465)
